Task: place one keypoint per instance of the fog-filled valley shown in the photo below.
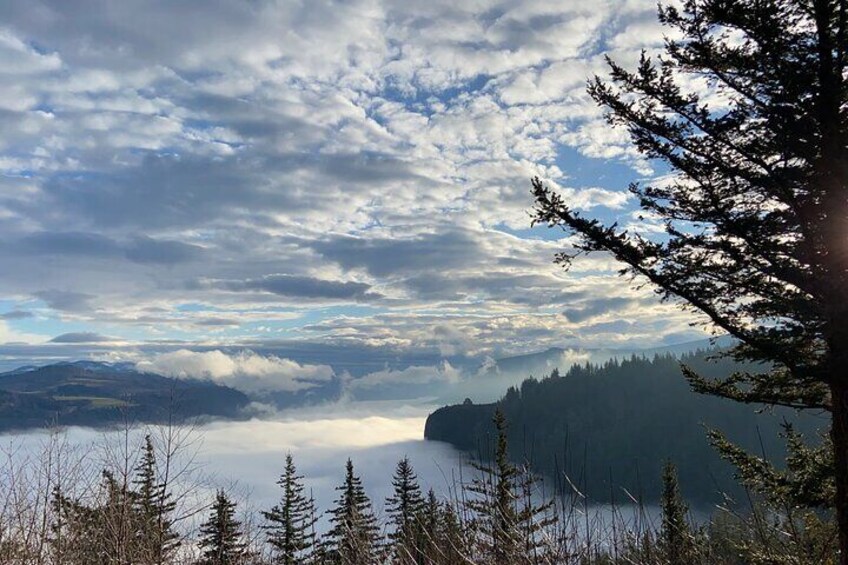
(246, 458)
(248, 455)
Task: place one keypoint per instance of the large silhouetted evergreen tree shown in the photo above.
(291, 523)
(508, 519)
(121, 524)
(155, 536)
(494, 502)
(404, 508)
(755, 213)
(354, 537)
(676, 541)
(221, 536)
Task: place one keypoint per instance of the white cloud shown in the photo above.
(414, 375)
(246, 370)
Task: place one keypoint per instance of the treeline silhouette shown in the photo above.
(609, 428)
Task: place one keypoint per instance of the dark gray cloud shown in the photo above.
(162, 191)
(216, 322)
(517, 288)
(140, 249)
(611, 327)
(81, 337)
(388, 256)
(168, 191)
(294, 286)
(69, 243)
(16, 315)
(65, 300)
(147, 250)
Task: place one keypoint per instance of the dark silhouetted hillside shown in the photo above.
(621, 420)
(99, 394)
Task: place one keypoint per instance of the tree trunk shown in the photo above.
(839, 435)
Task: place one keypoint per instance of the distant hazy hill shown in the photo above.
(491, 379)
(99, 394)
(610, 427)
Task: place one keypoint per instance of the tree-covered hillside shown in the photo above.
(612, 427)
(100, 394)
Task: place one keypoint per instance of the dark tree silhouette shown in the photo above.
(154, 508)
(676, 541)
(452, 541)
(354, 537)
(508, 519)
(404, 508)
(221, 537)
(756, 215)
(494, 503)
(291, 523)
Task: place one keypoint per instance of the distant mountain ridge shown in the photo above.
(89, 393)
(548, 358)
(492, 379)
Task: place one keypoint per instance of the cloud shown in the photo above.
(344, 174)
(302, 287)
(65, 300)
(81, 337)
(444, 373)
(386, 256)
(140, 249)
(215, 321)
(597, 307)
(251, 452)
(245, 370)
(17, 341)
(147, 250)
(16, 315)
(69, 243)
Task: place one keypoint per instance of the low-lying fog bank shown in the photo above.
(246, 457)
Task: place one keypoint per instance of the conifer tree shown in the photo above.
(510, 521)
(404, 509)
(451, 540)
(430, 509)
(494, 502)
(103, 531)
(75, 532)
(222, 540)
(155, 537)
(755, 211)
(291, 523)
(442, 540)
(114, 521)
(535, 519)
(122, 525)
(354, 538)
(676, 540)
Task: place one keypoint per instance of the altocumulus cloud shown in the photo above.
(245, 370)
(333, 159)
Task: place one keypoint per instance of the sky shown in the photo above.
(283, 184)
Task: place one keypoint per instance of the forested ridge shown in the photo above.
(101, 395)
(609, 428)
